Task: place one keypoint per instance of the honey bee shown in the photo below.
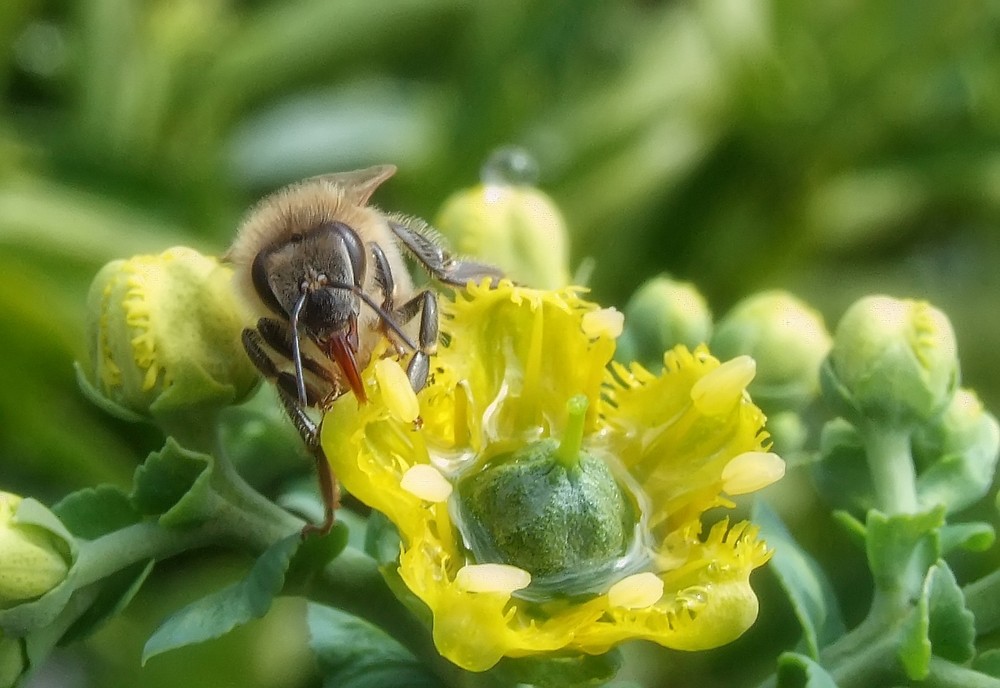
(325, 275)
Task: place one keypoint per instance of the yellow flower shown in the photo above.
(617, 465)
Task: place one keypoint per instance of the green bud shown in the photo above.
(956, 454)
(32, 560)
(164, 337)
(513, 226)
(661, 314)
(788, 340)
(13, 660)
(892, 361)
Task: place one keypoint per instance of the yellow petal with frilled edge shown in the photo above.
(674, 443)
(511, 359)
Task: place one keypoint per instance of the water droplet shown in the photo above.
(509, 166)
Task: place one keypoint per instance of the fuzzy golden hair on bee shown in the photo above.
(299, 207)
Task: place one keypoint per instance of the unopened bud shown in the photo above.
(661, 314)
(892, 360)
(32, 560)
(788, 340)
(515, 227)
(164, 336)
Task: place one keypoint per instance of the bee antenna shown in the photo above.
(300, 381)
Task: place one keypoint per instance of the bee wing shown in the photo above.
(359, 185)
(424, 244)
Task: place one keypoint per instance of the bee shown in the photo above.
(325, 275)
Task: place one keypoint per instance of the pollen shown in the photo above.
(637, 591)
(751, 471)
(426, 482)
(397, 393)
(604, 322)
(719, 391)
(500, 578)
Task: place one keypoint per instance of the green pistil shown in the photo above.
(568, 452)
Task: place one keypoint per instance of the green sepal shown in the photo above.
(95, 511)
(939, 625)
(116, 592)
(555, 671)
(23, 618)
(174, 485)
(218, 613)
(352, 653)
(799, 671)
(98, 399)
(803, 580)
(902, 548)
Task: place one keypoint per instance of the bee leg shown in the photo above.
(385, 282)
(307, 429)
(424, 303)
(328, 487)
(422, 242)
(277, 336)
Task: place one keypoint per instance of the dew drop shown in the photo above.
(509, 166)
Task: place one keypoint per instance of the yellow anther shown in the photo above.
(637, 591)
(751, 471)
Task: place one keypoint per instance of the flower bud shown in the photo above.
(33, 560)
(661, 314)
(892, 360)
(956, 454)
(513, 226)
(164, 337)
(788, 340)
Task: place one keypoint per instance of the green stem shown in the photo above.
(890, 462)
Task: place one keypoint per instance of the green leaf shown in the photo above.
(354, 654)
(973, 537)
(96, 511)
(939, 625)
(314, 554)
(902, 548)
(799, 671)
(116, 591)
(952, 626)
(174, 485)
(854, 528)
(914, 644)
(841, 474)
(988, 663)
(805, 583)
(217, 614)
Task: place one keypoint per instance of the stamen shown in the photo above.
(500, 578)
(427, 483)
(637, 591)
(720, 390)
(751, 471)
(604, 322)
(397, 393)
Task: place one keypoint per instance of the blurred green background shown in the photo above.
(832, 149)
